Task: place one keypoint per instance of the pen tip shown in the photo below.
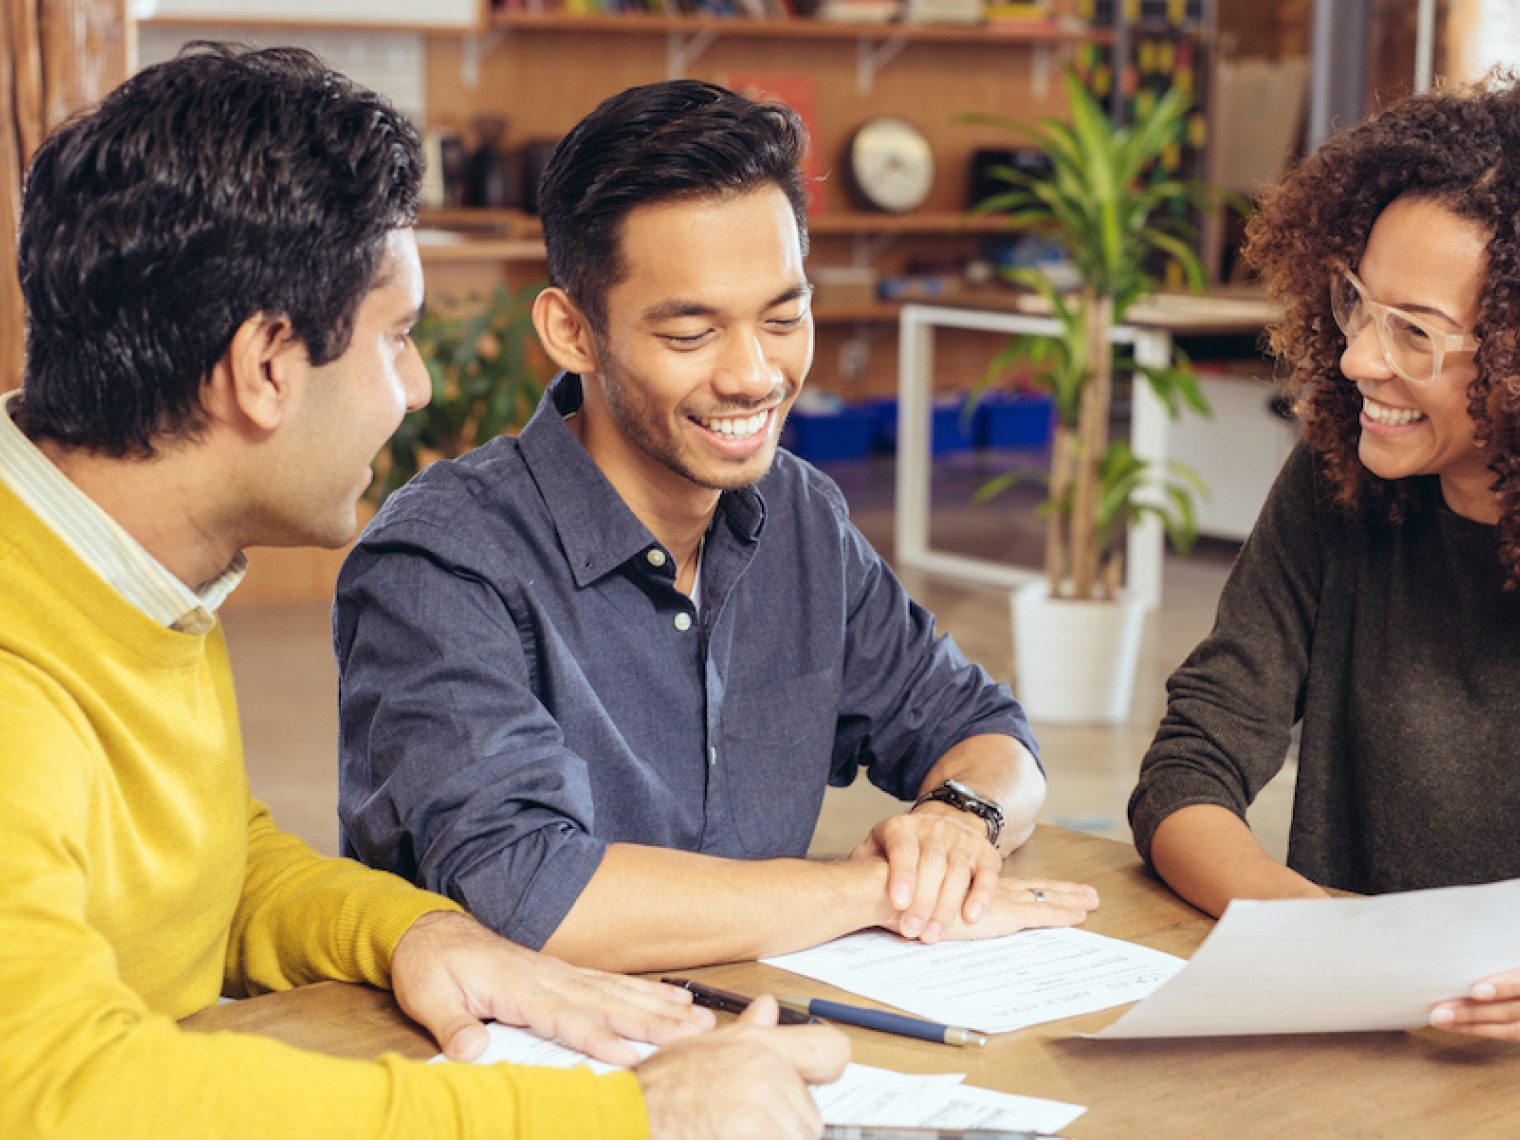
(965, 1037)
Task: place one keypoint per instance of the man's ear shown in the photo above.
(262, 371)
(565, 332)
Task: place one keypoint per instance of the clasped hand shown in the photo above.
(944, 879)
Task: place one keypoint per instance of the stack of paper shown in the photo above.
(863, 1095)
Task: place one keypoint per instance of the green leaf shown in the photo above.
(1113, 210)
(482, 383)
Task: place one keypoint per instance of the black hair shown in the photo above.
(203, 191)
(657, 143)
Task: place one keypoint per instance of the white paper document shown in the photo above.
(969, 1107)
(1335, 965)
(993, 986)
(867, 1095)
(519, 1047)
(862, 1095)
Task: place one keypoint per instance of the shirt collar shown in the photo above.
(597, 530)
(101, 542)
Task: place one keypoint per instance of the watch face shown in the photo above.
(891, 164)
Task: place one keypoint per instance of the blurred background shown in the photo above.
(888, 89)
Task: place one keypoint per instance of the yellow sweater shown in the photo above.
(139, 880)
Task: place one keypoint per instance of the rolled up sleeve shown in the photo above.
(909, 693)
(452, 773)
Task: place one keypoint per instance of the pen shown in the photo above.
(878, 1132)
(726, 1001)
(882, 1020)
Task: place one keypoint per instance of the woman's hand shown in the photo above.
(1492, 1009)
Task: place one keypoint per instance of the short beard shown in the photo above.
(648, 433)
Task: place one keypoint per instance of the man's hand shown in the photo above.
(940, 868)
(747, 1081)
(1021, 905)
(450, 974)
(1492, 1009)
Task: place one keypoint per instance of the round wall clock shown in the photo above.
(889, 165)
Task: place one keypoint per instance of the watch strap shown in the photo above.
(968, 799)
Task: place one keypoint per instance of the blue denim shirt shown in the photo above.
(521, 683)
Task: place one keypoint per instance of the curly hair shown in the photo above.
(1456, 148)
(202, 191)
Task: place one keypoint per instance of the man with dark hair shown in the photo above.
(595, 679)
(221, 279)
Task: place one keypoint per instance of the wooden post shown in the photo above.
(1063, 457)
(1092, 435)
(61, 56)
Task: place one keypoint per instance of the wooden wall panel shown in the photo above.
(544, 82)
(57, 57)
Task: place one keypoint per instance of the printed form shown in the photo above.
(995, 985)
(863, 1095)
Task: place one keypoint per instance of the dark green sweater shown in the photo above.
(1400, 653)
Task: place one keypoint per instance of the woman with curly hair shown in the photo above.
(1375, 604)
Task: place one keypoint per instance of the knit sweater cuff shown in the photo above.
(376, 917)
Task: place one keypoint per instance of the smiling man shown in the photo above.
(595, 679)
(221, 280)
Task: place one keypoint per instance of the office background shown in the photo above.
(492, 86)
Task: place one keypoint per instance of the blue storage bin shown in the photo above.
(824, 437)
(950, 434)
(951, 431)
(884, 409)
(1024, 419)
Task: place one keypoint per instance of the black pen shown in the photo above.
(726, 1001)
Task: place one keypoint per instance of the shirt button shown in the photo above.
(656, 557)
(683, 622)
(712, 757)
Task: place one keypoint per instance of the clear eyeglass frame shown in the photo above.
(1412, 347)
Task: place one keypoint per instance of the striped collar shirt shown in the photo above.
(101, 541)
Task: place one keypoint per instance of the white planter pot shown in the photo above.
(1075, 662)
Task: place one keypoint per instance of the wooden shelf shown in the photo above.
(318, 17)
(881, 312)
(514, 224)
(480, 250)
(479, 220)
(927, 222)
(800, 28)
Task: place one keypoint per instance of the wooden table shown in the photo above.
(1424, 1083)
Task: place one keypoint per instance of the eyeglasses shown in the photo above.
(1414, 348)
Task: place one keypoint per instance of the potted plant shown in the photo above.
(484, 383)
(1105, 200)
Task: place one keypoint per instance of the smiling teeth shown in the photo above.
(1392, 417)
(740, 427)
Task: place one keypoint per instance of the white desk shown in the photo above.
(1149, 330)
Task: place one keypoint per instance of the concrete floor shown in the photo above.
(287, 685)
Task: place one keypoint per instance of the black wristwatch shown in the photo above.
(958, 795)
